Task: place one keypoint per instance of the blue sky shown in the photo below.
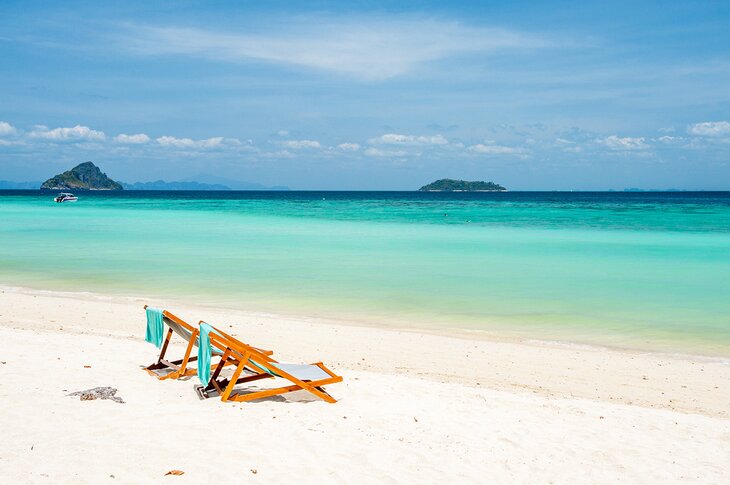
(370, 95)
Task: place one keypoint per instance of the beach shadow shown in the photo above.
(158, 372)
(302, 396)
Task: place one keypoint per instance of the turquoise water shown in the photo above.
(648, 271)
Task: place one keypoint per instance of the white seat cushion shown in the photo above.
(303, 372)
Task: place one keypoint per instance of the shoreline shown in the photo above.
(545, 268)
(503, 335)
(686, 383)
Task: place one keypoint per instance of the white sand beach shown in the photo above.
(413, 407)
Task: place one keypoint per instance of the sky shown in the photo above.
(368, 95)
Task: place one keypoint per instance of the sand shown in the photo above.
(413, 408)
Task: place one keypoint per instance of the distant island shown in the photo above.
(85, 176)
(451, 185)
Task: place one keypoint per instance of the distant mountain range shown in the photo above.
(162, 185)
(10, 185)
(197, 185)
(87, 176)
(205, 178)
(634, 189)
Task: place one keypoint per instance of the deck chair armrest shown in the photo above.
(263, 351)
(324, 368)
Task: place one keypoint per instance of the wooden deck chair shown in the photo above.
(258, 365)
(179, 368)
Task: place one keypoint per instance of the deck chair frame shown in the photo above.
(259, 366)
(179, 368)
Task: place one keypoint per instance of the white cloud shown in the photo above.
(276, 155)
(171, 141)
(710, 128)
(495, 149)
(377, 152)
(297, 144)
(132, 139)
(7, 129)
(9, 143)
(396, 139)
(372, 47)
(626, 143)
(567, 146)
(348, 147)
(76, 133)
(563, 142)
(669, 139)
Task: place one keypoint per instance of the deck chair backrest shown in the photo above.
(178, 368)
(181, 331)
(185, 330)
(223, 341)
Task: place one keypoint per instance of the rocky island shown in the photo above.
(85, 176)
(451, 185)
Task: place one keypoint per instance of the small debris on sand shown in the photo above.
(175, 472)
(105, 392)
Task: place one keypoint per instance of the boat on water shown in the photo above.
(65, 197)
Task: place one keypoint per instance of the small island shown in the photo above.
(451, 185)
(85, 176)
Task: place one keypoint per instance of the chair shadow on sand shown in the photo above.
(294, 397)
(301, 396)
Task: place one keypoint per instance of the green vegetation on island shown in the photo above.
(85, 176)
(451, 185)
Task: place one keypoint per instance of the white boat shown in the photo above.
(66, 197)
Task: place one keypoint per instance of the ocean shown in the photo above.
(648, 271)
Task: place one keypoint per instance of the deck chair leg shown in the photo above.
(251, 396)
(324, 394)
(310, 386)
(234, 378)
(188, 350)
(157, 365)
(221, 364)
(321, 393)
(164, 345)
(214, 378)
(313, 387)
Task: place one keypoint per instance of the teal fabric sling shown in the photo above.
(204, 353)
(155, 327)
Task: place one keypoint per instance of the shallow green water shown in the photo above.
(645, 271)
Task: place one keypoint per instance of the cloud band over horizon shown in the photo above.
(371, 96)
